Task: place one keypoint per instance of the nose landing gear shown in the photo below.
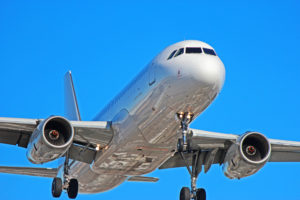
(184, 145)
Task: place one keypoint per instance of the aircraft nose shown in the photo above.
(209, 70)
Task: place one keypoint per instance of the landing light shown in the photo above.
(188, 116)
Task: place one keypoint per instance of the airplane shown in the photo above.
(144, 128)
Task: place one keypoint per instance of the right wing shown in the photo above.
(214, 146)
(285, 151)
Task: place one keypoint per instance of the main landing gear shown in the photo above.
(184, 145)
(193, 193)
(57, 188)
(70, 185)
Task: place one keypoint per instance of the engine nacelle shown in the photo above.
(247, 156)
(50, 140)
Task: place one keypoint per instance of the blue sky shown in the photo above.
(106, 44)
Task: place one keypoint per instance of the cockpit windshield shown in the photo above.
(179, 52)
(191, 50)
(209, 51)
(172, 54)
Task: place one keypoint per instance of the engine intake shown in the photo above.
(58, 131)
(255, 147)
(50, 140)
(247, 156)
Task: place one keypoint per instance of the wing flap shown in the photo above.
(82, 153)
(92, 132)
(176, 160)
(16, 131)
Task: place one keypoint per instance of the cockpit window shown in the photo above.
(193, 50)
(179, 52)
(209, 51)
(172, 54)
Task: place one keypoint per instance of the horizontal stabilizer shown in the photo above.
(142, 179)
(30, 171)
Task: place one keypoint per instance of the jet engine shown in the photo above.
(50, 140)
(247, 156)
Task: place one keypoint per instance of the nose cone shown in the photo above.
(209, 70)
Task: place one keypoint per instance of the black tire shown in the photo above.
(200, 194)
(73, 189)
(56, 187)
(180, 145)
(185, 194)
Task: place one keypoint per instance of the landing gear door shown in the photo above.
(152, 73)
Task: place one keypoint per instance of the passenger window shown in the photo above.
(209, 51)
(193, 50)
(172, 54)
(179, 52)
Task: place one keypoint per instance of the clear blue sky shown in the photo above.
(106, 44)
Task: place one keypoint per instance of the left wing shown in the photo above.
(87, 135)
(16, 131)
(213, 147)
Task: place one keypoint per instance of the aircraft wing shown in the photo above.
(88, 134)
(214, 146)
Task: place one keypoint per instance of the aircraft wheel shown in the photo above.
(185, 193)
(73, 189)
(201, 194)
(56, 187)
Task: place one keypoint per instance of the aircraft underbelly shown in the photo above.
(91, 182)
(180, 95)
(146, 137)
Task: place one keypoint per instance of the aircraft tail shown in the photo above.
(71, 105)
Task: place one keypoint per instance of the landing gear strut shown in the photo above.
(184, 145)
(70, 185)
(195, 193)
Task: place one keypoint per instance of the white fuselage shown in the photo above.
(143, 115)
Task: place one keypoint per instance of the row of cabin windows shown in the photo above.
(189, 50)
